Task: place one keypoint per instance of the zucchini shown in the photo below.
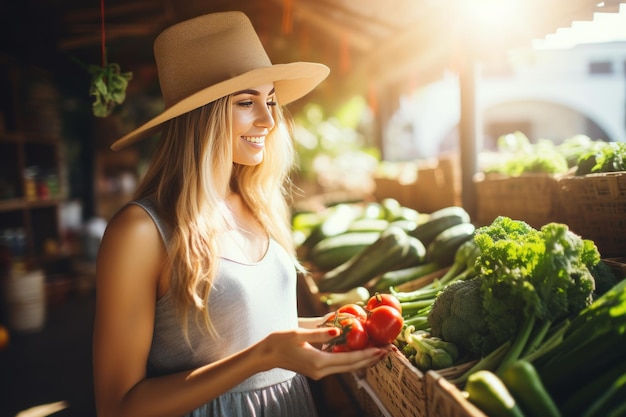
(335, 223)
(357, 295)
(407, 225)
(380, 256)
(335, 250)
(408, 213)
(400, 276)
(438, 221)
(373, 210)
(305, 221)
(392, 209)
(368, 225)
(415, 255)
(442, 250)
(487, 392)
(524, 383)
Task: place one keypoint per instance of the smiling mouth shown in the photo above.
(254, 139)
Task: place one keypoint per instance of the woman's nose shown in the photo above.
(265, 118)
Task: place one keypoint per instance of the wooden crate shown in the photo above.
(532, 198)
(398, 385)
(423, 185)
(444, 399)
(365, 399)
(594, 206)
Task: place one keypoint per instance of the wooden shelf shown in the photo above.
(31, 188)
(24, 204)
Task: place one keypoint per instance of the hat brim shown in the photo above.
(291, 81)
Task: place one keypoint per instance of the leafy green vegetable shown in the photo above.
(603, 157)
(543, 273)
(108, 87)
(521, 156)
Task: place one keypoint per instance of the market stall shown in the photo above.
(382, 51)
(475, 336)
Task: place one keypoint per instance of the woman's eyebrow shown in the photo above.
(253, 92)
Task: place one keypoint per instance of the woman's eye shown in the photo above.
(250, 103)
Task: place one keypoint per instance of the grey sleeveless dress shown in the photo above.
(248, 302)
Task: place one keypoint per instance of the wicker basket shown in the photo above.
(595, 207)
(532, 198)
(398, 385)
(446, 400)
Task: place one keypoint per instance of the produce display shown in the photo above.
(523, 321)
(602, 157)
(400, 244)
(579, 153)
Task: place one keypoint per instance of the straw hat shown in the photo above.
(214, 55)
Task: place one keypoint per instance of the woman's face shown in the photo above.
(252, 121)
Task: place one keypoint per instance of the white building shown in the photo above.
(544, 93)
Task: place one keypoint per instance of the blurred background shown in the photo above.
(422, 96)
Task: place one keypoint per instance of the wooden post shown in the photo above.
(470, 131)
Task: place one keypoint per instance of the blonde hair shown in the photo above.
(190, 174)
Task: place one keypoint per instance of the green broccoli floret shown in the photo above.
(457, 317)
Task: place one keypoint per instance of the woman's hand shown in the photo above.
(314, 322)
(294, 350)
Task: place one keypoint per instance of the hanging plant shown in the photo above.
(108, 82)
(108, 87)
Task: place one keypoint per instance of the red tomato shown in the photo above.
(379, 299)
(383, 325)
(354, 309)
(355, 335)
(340, 348)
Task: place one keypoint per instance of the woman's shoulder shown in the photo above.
(132, 221)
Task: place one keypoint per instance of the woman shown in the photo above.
(196, 302)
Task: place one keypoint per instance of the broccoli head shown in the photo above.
(457, 317)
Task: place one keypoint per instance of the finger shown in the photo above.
(342, 362)
(320, 335)
(356, 357)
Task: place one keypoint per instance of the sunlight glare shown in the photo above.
(489, 14)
